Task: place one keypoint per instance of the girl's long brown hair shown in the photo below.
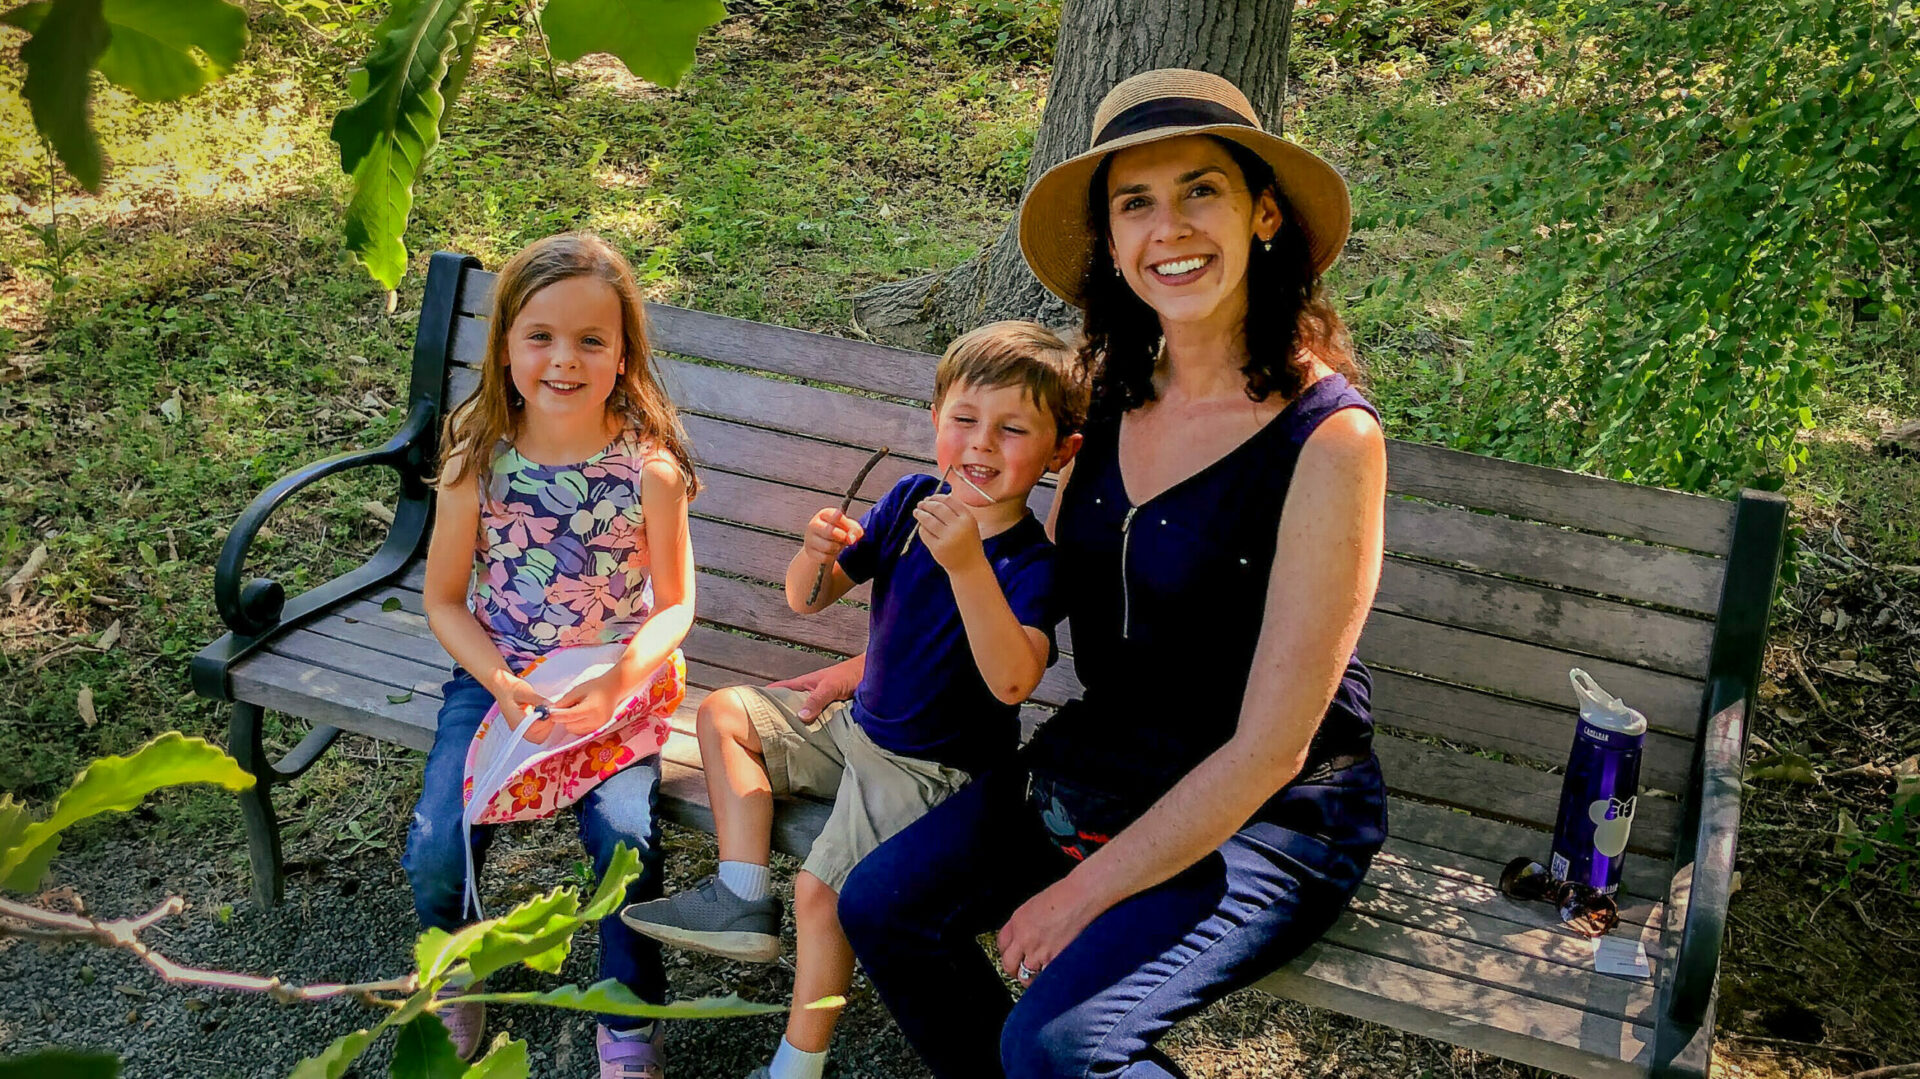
(495, 410)
(1287, 310)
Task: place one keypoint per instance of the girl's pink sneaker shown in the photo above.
(622, 1059)
(465, 1023)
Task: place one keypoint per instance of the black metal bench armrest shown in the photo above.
(254, 607)
(1697, 963)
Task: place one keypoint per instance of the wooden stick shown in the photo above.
(820, 578)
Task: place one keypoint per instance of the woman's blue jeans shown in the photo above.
(914, 910)
(620, 810)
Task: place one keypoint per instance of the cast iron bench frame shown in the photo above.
(1500, 576)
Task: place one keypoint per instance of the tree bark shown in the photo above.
(1101, 42)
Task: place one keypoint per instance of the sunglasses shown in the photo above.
(1583, 908)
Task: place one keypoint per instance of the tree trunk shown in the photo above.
(1101, 42)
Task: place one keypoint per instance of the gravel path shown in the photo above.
(351, 919)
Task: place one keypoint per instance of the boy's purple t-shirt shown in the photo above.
(922, 694)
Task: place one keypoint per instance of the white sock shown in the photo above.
(744, 879)
(791, 1063)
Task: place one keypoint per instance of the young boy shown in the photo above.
(961, 631)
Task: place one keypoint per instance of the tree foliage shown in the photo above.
(1699, 203)
(161, 50)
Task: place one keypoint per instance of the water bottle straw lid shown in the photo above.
(1597, 704)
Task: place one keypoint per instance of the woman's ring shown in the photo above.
(1025, 974)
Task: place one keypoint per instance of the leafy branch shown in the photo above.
(403, 91)
(537, 934)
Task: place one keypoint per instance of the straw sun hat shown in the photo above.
(1166, 104)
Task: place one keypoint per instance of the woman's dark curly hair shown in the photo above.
(1285, 309)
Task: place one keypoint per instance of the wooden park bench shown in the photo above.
(1500, 577)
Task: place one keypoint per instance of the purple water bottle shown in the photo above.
(1603, 778)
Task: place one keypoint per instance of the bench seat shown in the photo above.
(1499, 577)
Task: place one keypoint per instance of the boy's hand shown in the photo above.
(587, 706)
(829, 533)
(950, 531)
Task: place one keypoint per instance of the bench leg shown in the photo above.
(256, 804)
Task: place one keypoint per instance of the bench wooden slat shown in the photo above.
(1506, 790)
(1676, 644)
(1543, 980)
(1542, 734)
(1525, 549)
(1497, 842)
(1524, 670)
(1539, 552)
(1558, 1038)
(1472, 921)
(1609, 507)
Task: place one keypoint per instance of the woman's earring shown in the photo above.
(1267, 246)
(1116, 271)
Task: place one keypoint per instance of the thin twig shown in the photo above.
(1800, 675)
(1891, 1072)
(124, 934)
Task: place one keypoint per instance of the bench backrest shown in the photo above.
(1500, 576)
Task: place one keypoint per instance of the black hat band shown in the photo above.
(1169, 112)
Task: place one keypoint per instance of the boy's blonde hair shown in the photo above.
(493, 412)
(1016, 352)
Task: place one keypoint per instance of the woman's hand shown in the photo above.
(1043, 927)
(586, 707)
(826, 685)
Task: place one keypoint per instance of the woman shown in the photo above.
(1210, 805)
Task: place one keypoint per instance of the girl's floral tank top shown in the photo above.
(562, 552)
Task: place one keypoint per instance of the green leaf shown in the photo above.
(163, 50)
(540, 931)
(425, 1051)
(68, 38)
(385, 137)
(654, 38)
(399, 698)
(391, 603)
(466, 37)
(612, 998)
(116, 784)
(333, 1061)
(508, 1060)
(60, 1064)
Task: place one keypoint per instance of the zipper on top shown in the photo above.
(1126, 599)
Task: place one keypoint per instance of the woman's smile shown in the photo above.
(1181, 271)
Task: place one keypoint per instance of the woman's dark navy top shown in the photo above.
(1165, 602)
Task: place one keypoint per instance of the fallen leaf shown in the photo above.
(377, 511)
(109, 637)
(22, 577)
(170, 408)
(85, 704)
(391, 603)
(1849, 837)
(1791, 767)
(399, 698)
(1858, 670)
(1906, 784)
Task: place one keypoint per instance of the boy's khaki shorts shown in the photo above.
(875, 793)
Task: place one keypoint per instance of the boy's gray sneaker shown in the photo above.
(710, 918)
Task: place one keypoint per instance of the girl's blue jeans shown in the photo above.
(620, 810)
(914, 910)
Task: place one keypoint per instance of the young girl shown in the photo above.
(562, 520)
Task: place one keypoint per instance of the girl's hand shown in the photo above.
(950, 531)
(1043, 927)
(829, 533)
(826, 685)
(586, 707)
(515, 697)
